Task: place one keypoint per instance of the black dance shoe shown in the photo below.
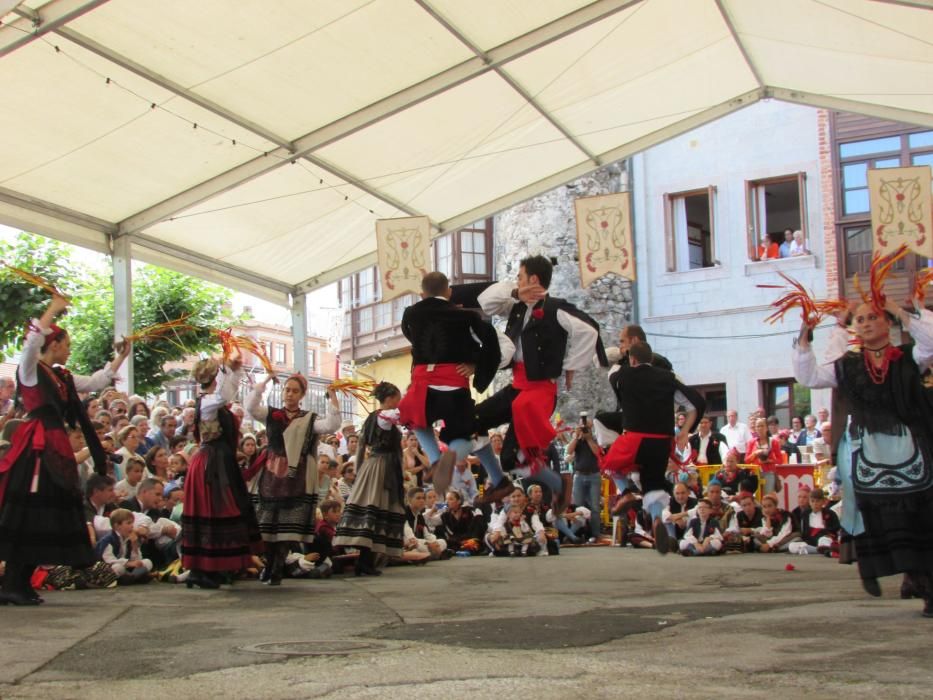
(201, 580)
(908, 590)
(18, 598)
(872, 587)
(662, 538)
(928, 607)
(366, 570)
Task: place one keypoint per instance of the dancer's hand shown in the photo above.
(465, 369)
(58, 305)
(531, 293)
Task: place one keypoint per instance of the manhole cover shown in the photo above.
(320, 647)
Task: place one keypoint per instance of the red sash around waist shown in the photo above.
(411, 407)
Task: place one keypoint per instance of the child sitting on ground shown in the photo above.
(819, 528)
(316, 562)
(519, 539)
(703, 537)
(120, 550)
(747, 527)
(781, 527)
(678, 513)
(418, 537)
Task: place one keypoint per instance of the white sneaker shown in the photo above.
(592, 540)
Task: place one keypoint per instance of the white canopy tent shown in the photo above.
(255, 142)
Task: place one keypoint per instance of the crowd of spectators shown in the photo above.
(134, 511)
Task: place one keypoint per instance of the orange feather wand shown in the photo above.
(924, 277)
(881, 266)
(230, 342)
(36, 281)
(359, 389)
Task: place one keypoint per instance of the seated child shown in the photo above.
(316, 561)
(819, 528)
(678, 513)
(634, 525)
(747, 527)
(519, 538)
(703, 536)
(418, 537)
(120, 549)
(133, 470)
(781, 528)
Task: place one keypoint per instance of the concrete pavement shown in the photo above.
(594, 622)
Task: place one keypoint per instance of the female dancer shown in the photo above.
(288, 475)
(219, 530)
(373, 520)
(41, 505)
(885, 457)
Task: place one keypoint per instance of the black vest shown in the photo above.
(543, 340)
(647, 399)
(757, 520)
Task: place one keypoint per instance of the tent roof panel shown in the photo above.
(279, 79)
(512, 17)
(450, 109)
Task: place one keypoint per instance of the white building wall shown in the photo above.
(712, 308)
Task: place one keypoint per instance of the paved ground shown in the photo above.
(593, 623)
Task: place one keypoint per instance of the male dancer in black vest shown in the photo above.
(549, 341)
(648, 395)
(607, 425)
(448, 344)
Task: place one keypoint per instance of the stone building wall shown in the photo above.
(546, 225)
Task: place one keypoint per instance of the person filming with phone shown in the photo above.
(584, 454)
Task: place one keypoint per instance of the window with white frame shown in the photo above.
(365, 286)
(690, 230)
(384, 315)
(443, 255)
(364, 319)
(473, 252)
(775, 206)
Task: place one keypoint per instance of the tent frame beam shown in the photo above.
(569, 174)
(48, 18)
(375, 113)
(727, 18)
(504, 75)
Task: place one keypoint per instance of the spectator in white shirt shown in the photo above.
(737, 434)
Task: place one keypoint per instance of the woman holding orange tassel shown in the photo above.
(42, 517)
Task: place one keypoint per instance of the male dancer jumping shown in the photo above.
(648, 395)
(551, 338)
(448, 344)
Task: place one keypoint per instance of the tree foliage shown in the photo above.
(21, 301)
(158, 295)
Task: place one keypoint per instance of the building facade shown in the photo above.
(707, 205)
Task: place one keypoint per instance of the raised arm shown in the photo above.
(331, 421)
(497, 299)
(228, 381)
(253, 403)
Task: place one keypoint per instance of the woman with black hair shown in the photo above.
(374, 517)
(219, 529)
(42, 517)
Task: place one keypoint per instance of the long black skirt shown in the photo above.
(898, 535)
(47, 526)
